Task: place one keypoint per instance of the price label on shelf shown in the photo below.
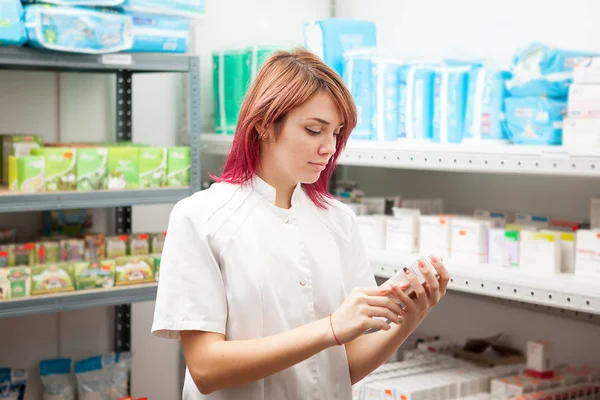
(117, 59)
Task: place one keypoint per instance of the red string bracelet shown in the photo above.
(332, 331)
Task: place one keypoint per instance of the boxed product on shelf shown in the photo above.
(60, 172)
(468, 241)
(539, 357)
(72, 250)
(498, 219)
(384, 126)
(449, 103)
(484, 120)
(13, 174)
(153, 167)
(586, 70)
(357, 75)
(415, 108)
(402, 232)
(581, 132)
(158, 33)
(192, 9)
(94, 246)
(139, 245)
(503, 247)
(567, 250)
(16, 145)
(584, 101)
(31, 174)
(8, 235)
(95, 274)
(537, 221)
(435, 234)
(380, 205)
(15, 282)
(47, 251)
(156, 258)
(178, 166)
(117, 246)
(12, 29)
(78, 29)
(52, 278)
(92, 168)
(587, 257)
(542, 70)
(372, 229)
(539, 253)
(134, 269)
(123, 168)
(535, 120)
(13, 382)
(157, 242)
(330, 38)
(4, 255)
(56, 378)
(21, 254)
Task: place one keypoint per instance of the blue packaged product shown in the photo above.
(384, 97)
(56, 377)
(331, 38)
(357, 77)
(541, 70)
(535, 120)
(78, 30)
(485, 105)
(159, 33)
(12, 28)
(75, 3)
(12, 383)
(449, 103)
(415, 105)
(94, 375)
(192, 9)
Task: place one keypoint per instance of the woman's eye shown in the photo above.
(313, 132)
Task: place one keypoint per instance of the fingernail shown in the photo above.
(421, 265)
(406, 271)
(394, 288)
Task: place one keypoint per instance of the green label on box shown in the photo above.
(153, 167)
(92, 169)
(52, 278)
(15, 282)
(30, 172)
(94, 275)
(178, 167)
(134, 269)
(123, 168)
(60, 168)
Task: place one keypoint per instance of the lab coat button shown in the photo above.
(302, 282)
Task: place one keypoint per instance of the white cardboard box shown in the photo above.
(372, 230)
(581, 132)
(435, 235)
(469, 240)
(539, 356)
(584, 101)
(402, 233)
(587, 257)
(586, 70)
(539, 253)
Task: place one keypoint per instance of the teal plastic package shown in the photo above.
(159, 33)
(191, 9)
(75, 3)
(12, 27)
(535, 120)
(78, 30)
(57, 379)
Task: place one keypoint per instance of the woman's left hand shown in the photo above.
(426, 296)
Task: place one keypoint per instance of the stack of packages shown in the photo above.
(30, 166)
(100, 26)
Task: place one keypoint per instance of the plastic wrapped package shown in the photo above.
(13, 383)
(75, 3)
(94, 376)
(57, 380)
(159, 33)
(12, 28)
(120, 375)
(78, 30)
(385, 99)
(257, 55)
(357, 75)
(449, 103)
(535, 120)
(541, 70)
(415, 111)
(485, 106)
(191, 9)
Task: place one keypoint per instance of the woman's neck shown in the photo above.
(284, 189)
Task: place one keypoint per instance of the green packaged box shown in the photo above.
(52, 278)
(134, 269)
(16, 145)
(72, 250)
(31, 174)
(97, 274)
(157, 242)
(13, 174)
(153, 167)
(139, 245)
(15, 282)
(47, 251)
(21, 254)
(123, 168)
(116, 246)
(92, 169)
(156, 258)
(60, 168)
(178, 166)
(231, 79)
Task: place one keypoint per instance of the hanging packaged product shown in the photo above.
(384, 98)
(416, 102)
(78, 30)
(13, 383)
(57, 379)
(12, 29)
(535, 120)
(357, 75)
(231, 78)
(484, 120)
(154, 33)
(59, 167)
(449, 103)
(541, 70)
(190, 9)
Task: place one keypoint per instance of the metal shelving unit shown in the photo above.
(124, 66)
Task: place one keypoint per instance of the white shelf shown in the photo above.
(566, 291)
(512, 159)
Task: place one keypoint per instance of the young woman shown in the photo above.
(264, 277)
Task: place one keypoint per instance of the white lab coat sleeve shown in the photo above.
(191, 294)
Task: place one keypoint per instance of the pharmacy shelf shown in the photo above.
(21, 202)
(77, 300)
(37, 59)
(504, 159)
(565, 291)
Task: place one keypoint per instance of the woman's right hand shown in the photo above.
(359, 312)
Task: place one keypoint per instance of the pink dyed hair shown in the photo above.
(284, 82)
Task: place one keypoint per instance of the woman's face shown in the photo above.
(306, 143)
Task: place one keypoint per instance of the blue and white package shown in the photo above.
(76, 3)
(385, 99)
(357, 74)
(191, 9)
(94, 375)
(485, 105)
(415, 105)
(535, 120)
(57, 379)
(12, 383)
(12, 27)
(449, 103)
(331, 38)
(540, 70)
(159, 34)
(78, 30)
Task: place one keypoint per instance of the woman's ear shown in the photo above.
(264, 132)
